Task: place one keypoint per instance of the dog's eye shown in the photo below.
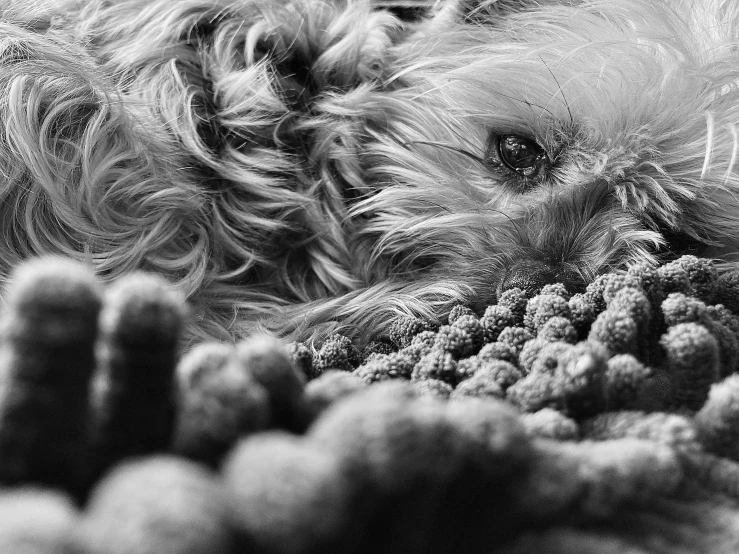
(521, 155)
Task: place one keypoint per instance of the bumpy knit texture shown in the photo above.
(597, 422)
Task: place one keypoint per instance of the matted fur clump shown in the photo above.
(312, 166)
(616, 445)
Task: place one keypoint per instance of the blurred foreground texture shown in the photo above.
(600, 422)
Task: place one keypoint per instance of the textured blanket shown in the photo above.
(600, 422)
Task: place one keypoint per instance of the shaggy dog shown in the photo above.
(309, 165)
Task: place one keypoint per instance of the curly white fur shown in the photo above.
(316, 164)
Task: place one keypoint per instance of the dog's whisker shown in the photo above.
(560, 91)
(461, 151)
(524, 101)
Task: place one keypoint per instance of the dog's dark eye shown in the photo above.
(521, 155)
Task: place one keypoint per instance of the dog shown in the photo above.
(307, 166)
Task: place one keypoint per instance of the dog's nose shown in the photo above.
(532, 275)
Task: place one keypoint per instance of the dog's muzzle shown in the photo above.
(531, 275)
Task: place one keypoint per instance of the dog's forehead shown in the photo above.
(612, 67)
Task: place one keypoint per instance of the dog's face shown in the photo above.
(597, 134)
(306, 164)
(553, 142)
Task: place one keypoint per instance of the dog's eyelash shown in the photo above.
(462, 151)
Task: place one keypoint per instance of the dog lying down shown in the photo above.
(311, 165)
